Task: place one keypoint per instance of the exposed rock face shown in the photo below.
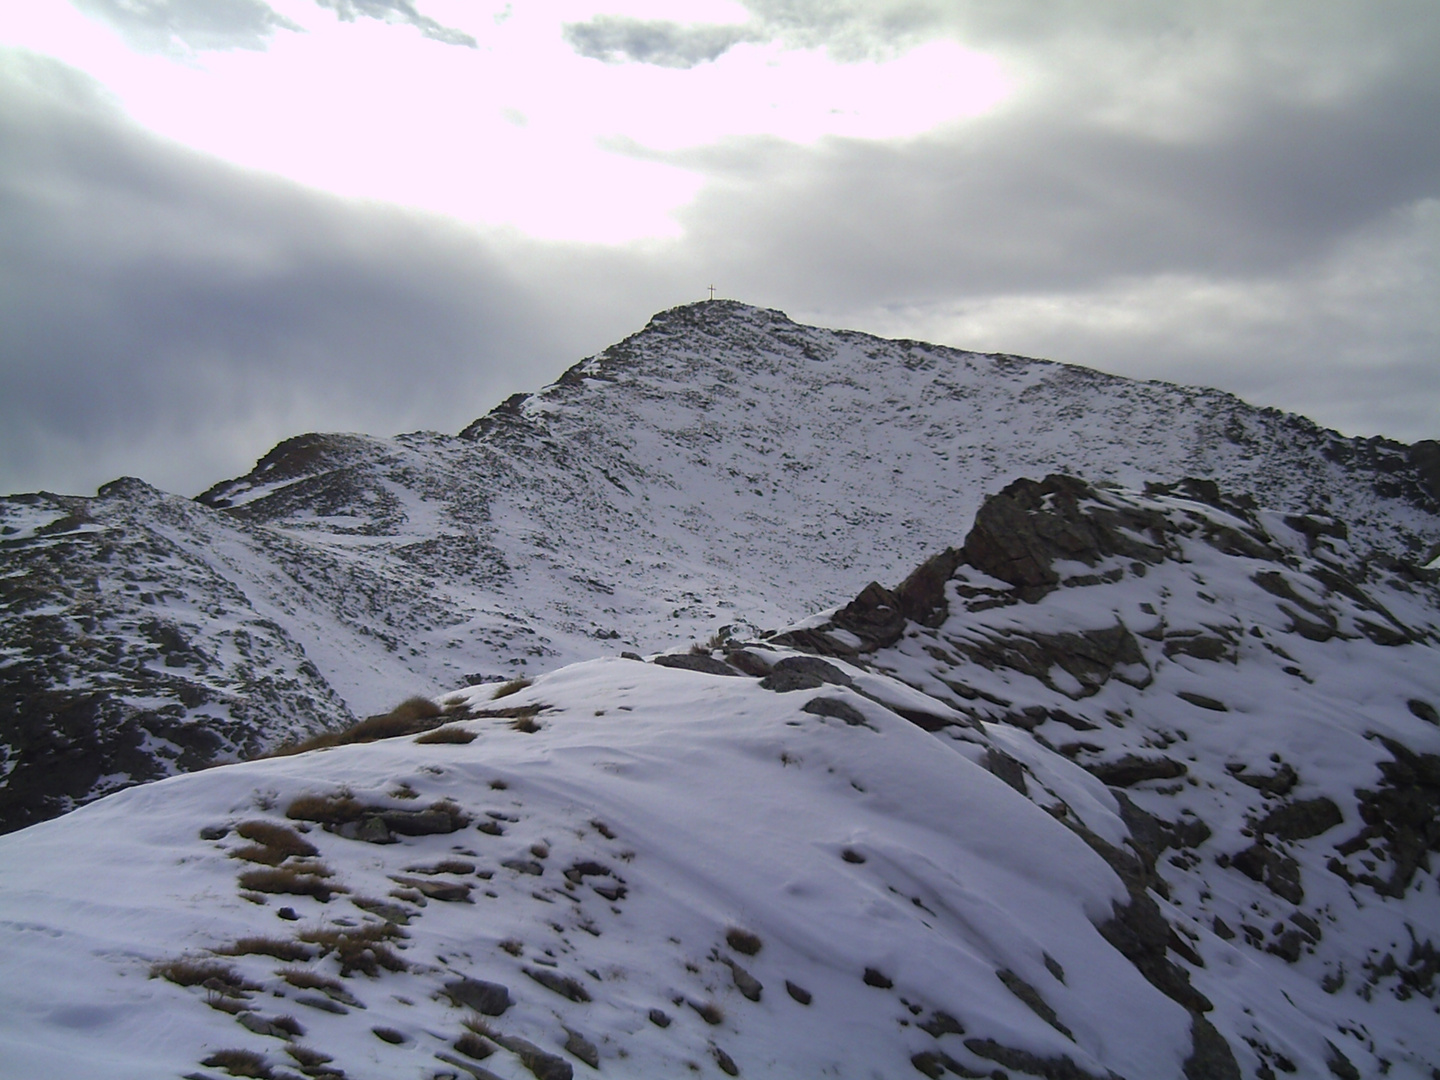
(1254, 693)
(1020, 533)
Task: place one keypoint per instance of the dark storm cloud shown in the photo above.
(1245, 196)
(1255, 167)
(1049, 201)
(181, 26)
(616, 38)
(170, 316)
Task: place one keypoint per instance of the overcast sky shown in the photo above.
(223, 222)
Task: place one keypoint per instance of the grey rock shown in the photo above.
(582, 1048)
(563, 985)
(782, 682)
(838, 709)
(1301, 820)
(694, 662)
(1132, 769)
(543, 1065)
(746, 983)
(1276, 871)
(486, 998)
(1210, 1055)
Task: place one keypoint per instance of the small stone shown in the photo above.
(746, 983)
(582, 1048)
(659, 1018)
(873, 977)
(799, 993)
(941, 1023)
(560, 984)
(725, 1061)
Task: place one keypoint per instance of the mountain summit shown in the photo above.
(724, 466)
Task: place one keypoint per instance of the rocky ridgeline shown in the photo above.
(723, 465)
(130, 656)
(1255, 701)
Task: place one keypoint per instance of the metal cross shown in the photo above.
(712, 292)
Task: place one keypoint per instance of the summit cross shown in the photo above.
(712, 292)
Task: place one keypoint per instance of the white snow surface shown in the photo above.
(728, 806)
(858, 851)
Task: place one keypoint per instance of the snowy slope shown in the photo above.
(722, 465)
(1146, 786)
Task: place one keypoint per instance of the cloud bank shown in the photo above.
(1222, 194)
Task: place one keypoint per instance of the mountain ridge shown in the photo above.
(722, 464)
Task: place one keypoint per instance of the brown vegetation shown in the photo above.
(359, 948)
(742, 941)
(514, 686)
(410, 717)
(279, 948)
(335, 809)
(239, 1063)
(274, 835)
(709, 1012)
(452, 733)
(474, 1046)
(208, 973)
(304, 879)
(302, 979)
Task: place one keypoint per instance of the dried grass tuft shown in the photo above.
(743, 941)
(360, 948)
(711, 1013)
(289, 1025)
(474, 1046)
(272, 834)
(304, 979)
(306, 1056)
(514, 686)
(279, 948)
(208, 973)
(334, 809)
(410, 717)
(239, 1063)
(303, 879)
(453, 733)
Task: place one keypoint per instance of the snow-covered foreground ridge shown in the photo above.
(1128, 785)
(723, 464)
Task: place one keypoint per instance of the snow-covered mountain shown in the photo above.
(1125, 783)
(724, 466)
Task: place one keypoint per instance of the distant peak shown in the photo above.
(712, 312)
